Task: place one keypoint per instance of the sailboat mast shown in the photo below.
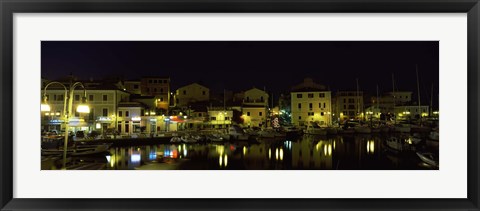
(393, 88)
(358, 106)
(378, 107)
(431, 103)
(418, 92)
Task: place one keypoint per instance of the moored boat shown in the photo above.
(428, 158)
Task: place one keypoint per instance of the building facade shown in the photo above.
(191, 93)
(349, 105)
(255, 108)
(313, 106)
(159, 87)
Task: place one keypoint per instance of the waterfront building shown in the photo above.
(103, 101)
(159, 87)
(133, 87)
(389, 99)
(311, 103)
(220, 117)
(349, 105)
(408, 112)
(190, 94)
(255, 108)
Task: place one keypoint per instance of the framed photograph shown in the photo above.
(246, 105)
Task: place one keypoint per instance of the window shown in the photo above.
(344, 106)
(199, 114)
(203, 92)
(299, 105)
(154, 81)
(161, 90)
(310, 105)
(351, 107)
(248, 113)
(105, 112)
(90, 97)
(299, 117)
(321, 113)
(227, 118)
(135, 86)
(105, 97)
(161, 99)
(119, 126)
(60, 98)
(127, 113)
(322, 95)
(77, 97)
(148, 89)
(127, 126)
(310, 113)
(142, 112)
(213, 118)
(154, 89)
(310, 95)
(344, 100)
(260, 113)
(54, 97)
(184, 92)
(299, 95)
(119, 113)
(351, 100)
(324, 105)
(150, 81)
(261, 99)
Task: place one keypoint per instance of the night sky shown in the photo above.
(240, 65)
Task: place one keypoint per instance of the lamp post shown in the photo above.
(67, 109)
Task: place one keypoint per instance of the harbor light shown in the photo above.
(44, 106)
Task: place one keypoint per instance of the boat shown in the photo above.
(237, 133)
(292, 130)
(428, 158)
(402, 128)
(434, 135)
(396, 144)
(175, 139)
(362, 129)
(81, 150)
(314, 129)
(332, 130)
(415, 139)
(215, 138)
(350, 130)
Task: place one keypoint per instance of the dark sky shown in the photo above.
(239, 65)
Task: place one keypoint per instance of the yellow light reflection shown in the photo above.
(325, 149)
(372, 146)
(276, 154)
(244, 150)
(220, 159)
(329, 149)
(226, 160)
(270, 154)
(281, 154)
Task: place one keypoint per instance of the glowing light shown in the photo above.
(108, 157)
(244, 150)
(372, 146)
(47, 114)
(135, 158)
(226, 160)
(220, 161)
(184, 117)
(152, 113)
(83, 109)
(136, 118)
(325, 149)
(270, 154)
(44, 107)
(98, 126)
(329, 149)
(281, 154)
(276, 154)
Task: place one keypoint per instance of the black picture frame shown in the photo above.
(9, 7)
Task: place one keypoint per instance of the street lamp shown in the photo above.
(67, 108)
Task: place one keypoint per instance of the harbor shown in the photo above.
(186, 151)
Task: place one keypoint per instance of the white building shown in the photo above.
(310, 105)
(255, 108)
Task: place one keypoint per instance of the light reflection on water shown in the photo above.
(304, 153)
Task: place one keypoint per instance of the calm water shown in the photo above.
(302, 153)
